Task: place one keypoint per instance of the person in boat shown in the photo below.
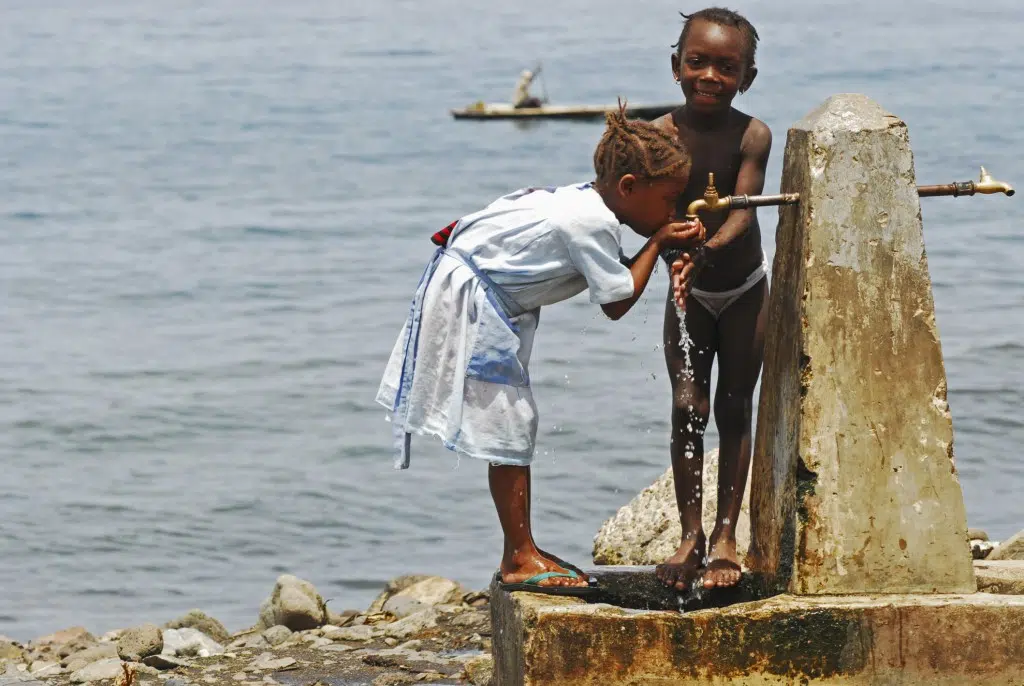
(459, 369)
(522, 98)
(726, 309)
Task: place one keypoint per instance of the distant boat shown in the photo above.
(483, 110)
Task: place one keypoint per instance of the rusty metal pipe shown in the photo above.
(712, 202)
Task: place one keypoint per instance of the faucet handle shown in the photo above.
(711, 193)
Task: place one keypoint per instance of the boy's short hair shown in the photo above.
(637, 147)
(722, 17)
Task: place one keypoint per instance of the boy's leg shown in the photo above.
(510, 489)
(740, 353)
(690, 410)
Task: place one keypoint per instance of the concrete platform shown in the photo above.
(944, 639)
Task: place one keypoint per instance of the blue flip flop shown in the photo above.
(532, 585)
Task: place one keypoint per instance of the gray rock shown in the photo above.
(177, 682)
(13, 677)
(145, 669)
(403, 606)
(294, 603)
(267, 662)
(394, 586)
(475, 621)
(249, 641)
(407, 595)
(413, 624)
(434, 590)
(109, 668)
(336, 648)
(189, 643)
(276, 635)
(197, 619)
(393, 657)
(142, 641)
(352, 633)
(977, 535)
(76, 661)
(646, 531)
(1010, 549)
(164, 662)
(44, 668)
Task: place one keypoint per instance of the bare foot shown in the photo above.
(684, 566)
(524, 567)
(723, 565)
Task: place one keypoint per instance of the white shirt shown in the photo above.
(459, 369)
(543, 246)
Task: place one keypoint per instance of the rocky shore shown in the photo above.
(420, 629)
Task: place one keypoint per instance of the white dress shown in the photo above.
(460, 367)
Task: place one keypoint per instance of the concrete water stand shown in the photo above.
(861, 570)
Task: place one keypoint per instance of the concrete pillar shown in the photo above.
(853, 487)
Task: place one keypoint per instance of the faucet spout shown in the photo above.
(987, 185)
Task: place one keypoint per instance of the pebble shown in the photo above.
(44, 668)
(274, 665)
(164, 662)
(352, 633)
(276, 635)
(110, 668)
(189, 643)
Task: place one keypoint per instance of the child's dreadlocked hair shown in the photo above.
(722, 17)
(633, 146)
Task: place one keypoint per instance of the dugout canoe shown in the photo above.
(483, 111)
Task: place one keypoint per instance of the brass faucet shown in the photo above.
(986, 185)
(711, 202)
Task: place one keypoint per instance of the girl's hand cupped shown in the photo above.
(680, 235)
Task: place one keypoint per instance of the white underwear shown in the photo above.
(716, 302)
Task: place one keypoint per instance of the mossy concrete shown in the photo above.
(862, 640)
(853, 488)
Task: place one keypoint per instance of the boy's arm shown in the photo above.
(676, 234)
(755, 148)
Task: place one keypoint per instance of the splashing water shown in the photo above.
(686, 343)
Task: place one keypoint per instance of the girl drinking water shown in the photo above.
(460, 368)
